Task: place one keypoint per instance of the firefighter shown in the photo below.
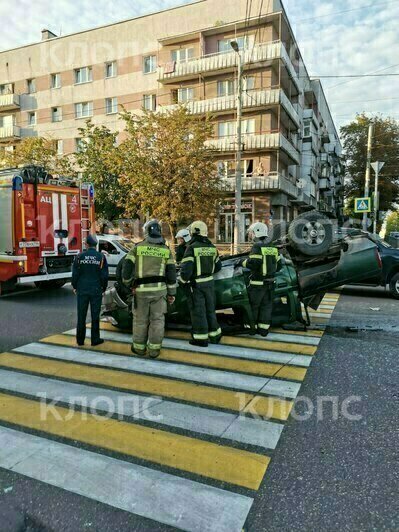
(263, 262)
(201, 260)
(89, 281)
(150, 272)
(183, 238)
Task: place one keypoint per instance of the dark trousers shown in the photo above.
(84, 300)
(202, 303)
(261, 301)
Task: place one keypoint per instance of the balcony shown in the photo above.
(9, 133)
(324, 184)
(255, 99)
(9, 102)
(256, 142)
(227, 61)
(273, 182)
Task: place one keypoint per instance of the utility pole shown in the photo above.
(238, 183)
(377, 167)
(368, 168)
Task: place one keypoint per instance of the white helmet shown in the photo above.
(199, 228)
(184, 234)
(259, 230)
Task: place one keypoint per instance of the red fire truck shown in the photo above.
(43, 224)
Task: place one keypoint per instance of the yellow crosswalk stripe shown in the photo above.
(200, 457)
(266, 345)
(200, 359)
(169, 388)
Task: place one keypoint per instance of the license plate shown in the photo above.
(29, 244)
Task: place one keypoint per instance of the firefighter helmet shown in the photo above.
(199, 228)
(259, 230)
(153, 229)
(184, 234)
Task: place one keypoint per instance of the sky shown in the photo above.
(336, 38)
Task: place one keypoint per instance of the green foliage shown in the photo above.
(392, 223)
(168, 172)
(385, 149)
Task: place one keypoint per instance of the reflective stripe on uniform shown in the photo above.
(155, 347)
(256, 257)
(200, 336)
(256, 283)
(188, 259)
(218, 332)
(204, 279)
(149, 288)
(263, 326)
(139, 347)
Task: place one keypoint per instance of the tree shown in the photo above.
(392, 223)
(167, 168)
(39, 151)
(385, 148)
(100, 162)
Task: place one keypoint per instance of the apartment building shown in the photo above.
(291, 150)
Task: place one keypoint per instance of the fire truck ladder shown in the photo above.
(85, 212)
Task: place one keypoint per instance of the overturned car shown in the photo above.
(312, 264)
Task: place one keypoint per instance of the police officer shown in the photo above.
(89, 281)
(201, 260)
(150, 272)
(263, 261)
(183, 238)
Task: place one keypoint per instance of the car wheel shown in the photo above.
(311, 234)
(394, 286)
(50, 285)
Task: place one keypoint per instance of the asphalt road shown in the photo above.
(327, 473)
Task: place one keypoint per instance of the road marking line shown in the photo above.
(215, 349)
(165, 498)
(268, 407)
(118, 355)
(187, 417)
(184, 453)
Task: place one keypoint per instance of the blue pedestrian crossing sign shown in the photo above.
(362, 205)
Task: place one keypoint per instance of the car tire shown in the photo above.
(50, 285)
(394, 286)
(311, 234)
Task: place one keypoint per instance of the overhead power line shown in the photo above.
(360, 8)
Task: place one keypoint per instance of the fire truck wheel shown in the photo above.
(50, 285)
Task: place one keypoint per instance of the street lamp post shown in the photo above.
(238, 184)
(377, 167)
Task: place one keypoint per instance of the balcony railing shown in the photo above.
(250, 99)
(272, 182)
(10, 133)
(227, 61)
(9, 102)
(255, 142)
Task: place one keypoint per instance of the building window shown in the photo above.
(182, 55)
(248, 83)
(226, 87)
(149, 64)
(185, 95)
(244, 43)
(307, 132)
(227, 169)
(83, 75)
(83, 110)
(55, 81)
(56, 114)
(110, 69)
(111, 106)
(7, 88)
(79, 145)
(32, 119)
(1, 121)
(228, 129)
(31, 85)
(59, 145)
(149, 102)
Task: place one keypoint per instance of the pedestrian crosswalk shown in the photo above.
(184, 440)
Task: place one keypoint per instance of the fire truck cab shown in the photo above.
(43, 224)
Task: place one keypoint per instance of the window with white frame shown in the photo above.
(59, 145)
(149, 64)
(6, 88)
(227, 169)
(185, 94)
(149, 102)
(79, 145)
(110, 69)
(182, 55)
(226, 87)
(55, 81)
(111, 106)
(31, 85)
(244, 43)
(56, 114)
(307, 128)
(228, 129)
(83, 110)
(248, 83)
(32, 118)
(83, 75)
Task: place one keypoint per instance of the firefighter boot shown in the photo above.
(135, 350)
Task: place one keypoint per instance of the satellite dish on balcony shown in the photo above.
(301, 183)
